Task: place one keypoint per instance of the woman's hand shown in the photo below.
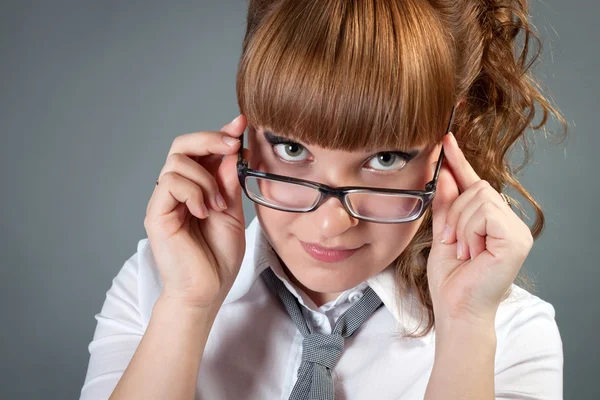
(198, 252)
(489, 239)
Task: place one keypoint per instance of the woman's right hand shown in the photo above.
(199, 252)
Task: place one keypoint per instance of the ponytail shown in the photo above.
(496, 48)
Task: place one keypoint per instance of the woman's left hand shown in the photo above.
(489, 239)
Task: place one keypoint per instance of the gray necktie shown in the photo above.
(320, 353)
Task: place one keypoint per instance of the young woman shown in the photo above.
(381, 262)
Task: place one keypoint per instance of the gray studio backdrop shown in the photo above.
(92, 93)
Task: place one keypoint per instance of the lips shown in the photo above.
(323, 248)
(328, 254)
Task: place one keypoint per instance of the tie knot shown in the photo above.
(322, 349)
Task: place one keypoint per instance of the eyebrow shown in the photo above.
(271, 137)
(275, 139)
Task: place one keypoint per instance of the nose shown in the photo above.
(331, 219)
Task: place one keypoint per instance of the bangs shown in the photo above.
(349, 75)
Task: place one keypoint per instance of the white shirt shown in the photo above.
(254, 349)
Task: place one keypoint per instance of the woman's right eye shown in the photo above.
(290, 152)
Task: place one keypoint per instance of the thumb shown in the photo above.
(446, 193)
(236, 127)
(229, 184)
(226, 175)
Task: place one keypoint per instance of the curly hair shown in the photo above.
(358, 74)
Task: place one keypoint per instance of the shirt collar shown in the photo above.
(260, 255)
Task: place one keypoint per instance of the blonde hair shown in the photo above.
(358, 74)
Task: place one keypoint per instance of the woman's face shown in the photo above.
(330, 225)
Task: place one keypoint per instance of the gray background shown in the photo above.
(92, 93)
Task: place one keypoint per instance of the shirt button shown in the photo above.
(355, 296)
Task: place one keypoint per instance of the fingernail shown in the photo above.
(452, 137)
(228, 140)
(220, 201)
(204, 209)
(236, 118)
(445, 234)
(458, 250)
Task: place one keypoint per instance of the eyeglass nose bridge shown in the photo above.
(339, 193)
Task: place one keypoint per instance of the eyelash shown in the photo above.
(274, 141)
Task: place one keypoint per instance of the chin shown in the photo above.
(324, 277)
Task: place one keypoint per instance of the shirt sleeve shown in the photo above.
(530, 365)
(119, 330)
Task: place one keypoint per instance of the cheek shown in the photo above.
(275, 223)
(393, 239)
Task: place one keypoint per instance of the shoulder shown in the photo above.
(522, 310)
(529, 352)
(138, 284)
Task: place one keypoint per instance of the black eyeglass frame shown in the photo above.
(340, 193)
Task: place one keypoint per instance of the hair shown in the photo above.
(354, 74)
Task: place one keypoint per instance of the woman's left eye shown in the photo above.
(390, 161)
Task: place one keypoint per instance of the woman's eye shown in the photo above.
(388, 161)
(289, 151)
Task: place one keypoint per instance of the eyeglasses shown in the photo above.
(379, 205)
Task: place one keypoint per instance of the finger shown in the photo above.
(465, 238)
(445, 194)
(474, 242)
(208, 142)
(191, 170)
(229, 185)
(173, 190)
(226, 174)
(486, 194)
(461, 169)
(489, 224)
(236, 127)
(202, 144)
(461, 202)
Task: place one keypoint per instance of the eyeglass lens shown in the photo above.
(295, 197)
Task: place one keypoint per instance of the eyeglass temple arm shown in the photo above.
(431, 186)
(241, 149)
